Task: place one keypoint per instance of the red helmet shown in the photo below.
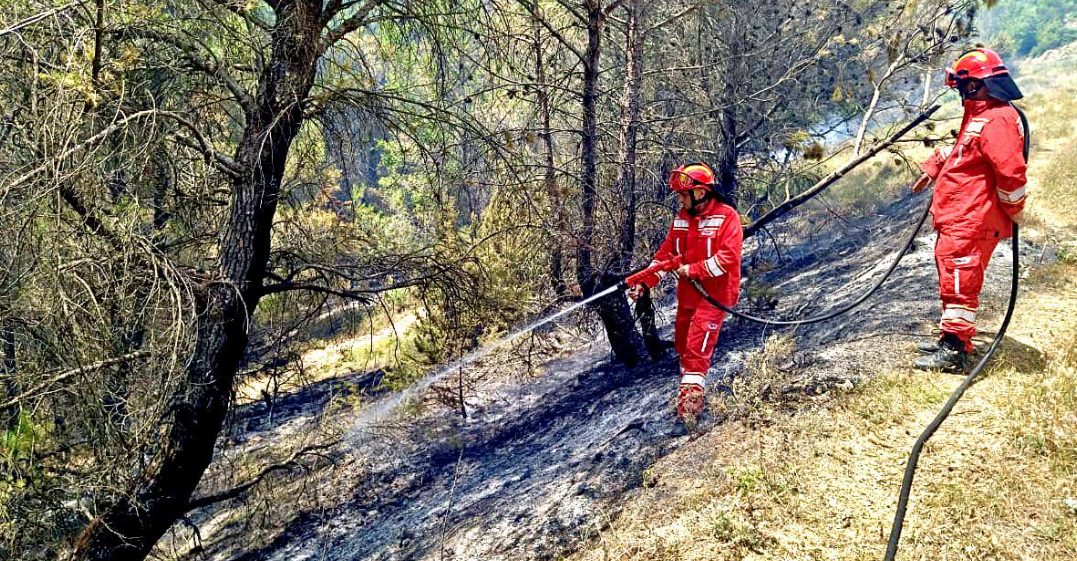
(978, 64)
(690, 176)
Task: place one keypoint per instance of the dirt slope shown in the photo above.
(538, 466)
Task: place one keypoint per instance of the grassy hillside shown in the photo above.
(819, 480)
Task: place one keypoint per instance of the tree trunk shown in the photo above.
(614, 312)
(630, 132)
(585, 272)
(727, 163)
(549, 180)
(7, 368)
(130, 528)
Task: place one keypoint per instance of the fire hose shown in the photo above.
(914, 455)
(673, 264)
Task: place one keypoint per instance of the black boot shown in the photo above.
(950, 356)
(927, 347)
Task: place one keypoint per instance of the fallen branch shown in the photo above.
(780, 210)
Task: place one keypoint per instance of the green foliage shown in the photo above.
(17, 443)
(1030, 27)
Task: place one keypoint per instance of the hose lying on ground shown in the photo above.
(834, 313)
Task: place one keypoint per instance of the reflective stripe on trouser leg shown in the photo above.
(965, 259)
(693, 379)
(701, 339)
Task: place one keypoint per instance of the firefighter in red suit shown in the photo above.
(707, 236)
(979, 194)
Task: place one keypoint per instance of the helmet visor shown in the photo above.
(680, 181)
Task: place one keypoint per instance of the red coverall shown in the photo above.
(979, 188)
(710, 244)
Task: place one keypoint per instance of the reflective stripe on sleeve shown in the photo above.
(706, 337)
(1011, 197)
(714, 268)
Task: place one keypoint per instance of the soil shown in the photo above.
(540, 464)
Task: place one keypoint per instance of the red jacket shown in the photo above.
(980, 184)
(710, 244)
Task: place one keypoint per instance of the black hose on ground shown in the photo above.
(833, 313)
(914, 456)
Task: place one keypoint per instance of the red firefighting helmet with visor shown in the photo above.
(977, 64)
(691, 176)
(987, 66)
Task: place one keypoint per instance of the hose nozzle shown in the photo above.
(660, 267)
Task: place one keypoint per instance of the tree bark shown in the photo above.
(549, 179)
(616, 316)
(225, 304)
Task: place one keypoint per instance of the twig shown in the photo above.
(452, 498)
(74, 372)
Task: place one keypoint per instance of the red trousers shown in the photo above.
(961, 262)
(695, 336)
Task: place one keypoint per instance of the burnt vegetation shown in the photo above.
(188, 188)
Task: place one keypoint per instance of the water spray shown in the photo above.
(380, 409)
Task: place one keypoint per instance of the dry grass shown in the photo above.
(998, 481)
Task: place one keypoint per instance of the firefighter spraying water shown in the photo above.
(704, 245)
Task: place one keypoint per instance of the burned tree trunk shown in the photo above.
(614, 312)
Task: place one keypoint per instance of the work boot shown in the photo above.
(690, 404)
(950, 357)
(927, 347)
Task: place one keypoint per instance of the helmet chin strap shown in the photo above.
(695, 202)
(965, 94)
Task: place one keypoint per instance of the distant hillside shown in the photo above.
(1029, 27)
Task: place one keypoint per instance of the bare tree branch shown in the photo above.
(292, 461)
(833, 176)
(73, 372)
(39, 17)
